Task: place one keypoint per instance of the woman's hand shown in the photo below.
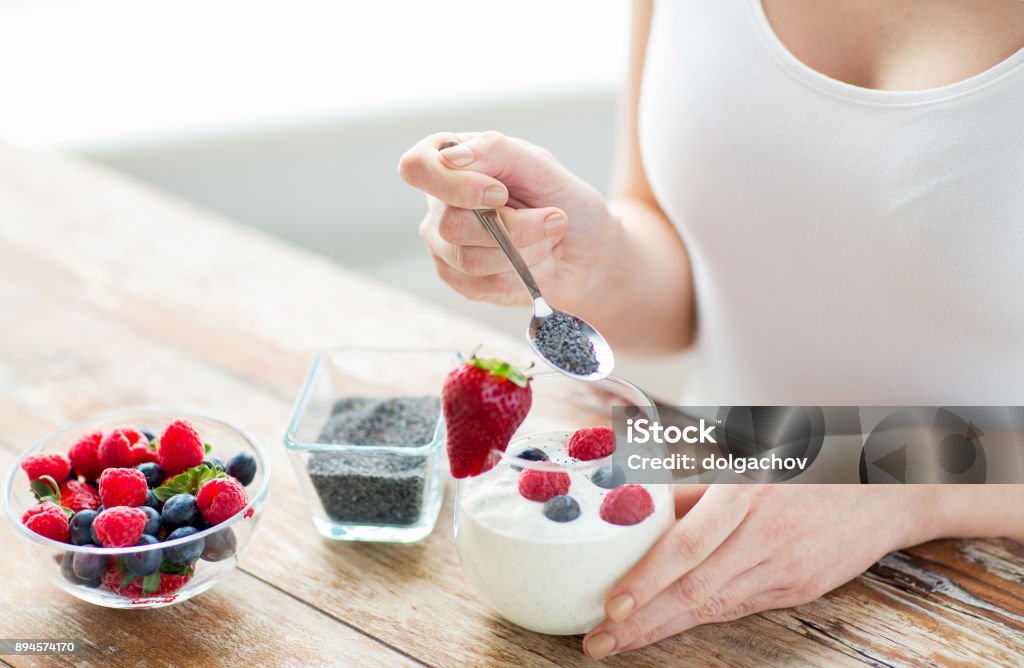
(561, 225)
(741, 549)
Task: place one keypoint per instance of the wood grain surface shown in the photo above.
(112, 295)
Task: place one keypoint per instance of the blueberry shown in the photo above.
(68, 571)
(153, 522)
(211, 462)
(561, 509)
(144, 563)
(72, 475)
(242, 467)
(152, 502)
(154, 474)
(81, 527)
(220, 545)
(88, 566)
(533, 455)
(150, 436)
(187, 554)
(608, 477)
(180, 510)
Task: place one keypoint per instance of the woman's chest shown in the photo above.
(898, 44)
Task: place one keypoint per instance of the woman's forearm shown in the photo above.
(641, 297)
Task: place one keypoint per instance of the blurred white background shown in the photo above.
(290, 115)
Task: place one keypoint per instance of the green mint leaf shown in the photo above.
(46, 489)
(173, 569)
(188, 482)
(127, 580)
(207, 448)
(151, 582)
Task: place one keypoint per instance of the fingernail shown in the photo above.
(619, 607)
(554, 223)
(494, 196)
(460, 155)
(599, 646)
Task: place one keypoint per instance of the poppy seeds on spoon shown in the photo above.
(562, 343)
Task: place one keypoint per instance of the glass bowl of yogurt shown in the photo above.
(534, 533)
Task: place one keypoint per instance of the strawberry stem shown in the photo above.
(501, 369)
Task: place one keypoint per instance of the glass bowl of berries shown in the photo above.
(142, 508)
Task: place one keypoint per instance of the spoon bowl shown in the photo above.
(573, 347)
(603, 359)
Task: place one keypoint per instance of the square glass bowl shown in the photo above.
(366, 439)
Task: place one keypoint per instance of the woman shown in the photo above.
(826, 201)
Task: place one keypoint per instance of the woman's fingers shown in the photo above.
(525, 226)
(504, 288)
(479, 261)
(717, 585)
(758, 601)
(423, 167)
(520, 165)
(480, 168)
(688, 543)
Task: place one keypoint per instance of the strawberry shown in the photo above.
(591, 443)
(77, 495)
(484, 402)
(133, 587)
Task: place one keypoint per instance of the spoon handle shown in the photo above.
(494, 225)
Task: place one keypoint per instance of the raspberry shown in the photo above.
(78, 495)
(627, 505)
(120, 448)
(592, 443)
(169, 583)
(85, 455)
(120, 526)
(220, 499)
(123, 487)
(542, 485)
(48, 520)
(55, 466)
(180, 448)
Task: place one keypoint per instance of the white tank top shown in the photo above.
(849, 245)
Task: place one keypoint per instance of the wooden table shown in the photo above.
(112, 295)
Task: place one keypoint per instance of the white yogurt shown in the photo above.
(547, 576)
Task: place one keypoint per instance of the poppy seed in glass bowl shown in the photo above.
(374, 487)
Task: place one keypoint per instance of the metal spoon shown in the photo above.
(541, 311)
